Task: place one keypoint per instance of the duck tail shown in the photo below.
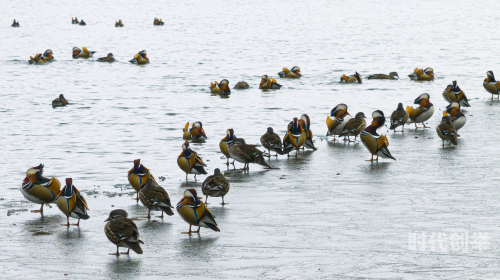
(261, 161)
(213, 227)
(385, 153)
(167, 210)
(454, 141)
(134, 246)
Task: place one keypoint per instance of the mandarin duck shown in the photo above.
(39, 189)
(376, 144)
(15, 24)
(215, 186)
(122, 232)
(453, 93)
(295, 138)
(196, 132)
(423, 112)
(82, 53)
(48, 55)
(293, 73)
(305, 123)
(71, 203)
(272, 141)
(247, 154)
(426, 74)
(74, 21)
(190, 162)
(491, 85)
(194, 212)
(354, 126)
(137, 177)
(119, 23)
(155, 198)
(226, 142)
(340, 118)
(391, 76)
(268, 83)
(457, 117)
(356, 78)
(446, 131)
(399, 117)
(222, 87)
(140, 58)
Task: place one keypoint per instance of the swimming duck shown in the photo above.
(138, 176)
(305, 123)
(491, 85)
(71, 203)
(74, 21)
(391, 76)
(352, 79)
(140, 58)
(295, 138)
(15, 24)
(190, 162)
(426, 74)
(38, 59)
(268, 83)
(226, 142)
(294, 73)
(423, 112)
(376, 144)
(194, 212)
(39, 189)
(222, 87)
(122, 232)
(60, 101)
(158, 22)
(246, 154)
(215, 186)
(399, 117)
(48, 56)
(82, 22)
(340, 119)
(108, 58)
(196, 132)
(272, 141)
(84, 53)
(119, 23)
(155, 198)
(446, 131)
(354, 126)
(457, 117)
(241, 85)
(453, 93)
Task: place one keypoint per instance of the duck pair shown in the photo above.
(15, 24)
(75, 21)
(298, 135)
(343, 124)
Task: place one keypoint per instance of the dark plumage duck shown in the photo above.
(137, 177)
(447, 131)
(122, 232)
(194, 212)
(155, 198)
(74, 21)
(226, 142)
(295, 138)
(108, 58)
(453, 93)
(354, 126)
(272, 141)
(82, 22)
(190, 162)
(72, 203)
(60, 101)
(399, 117)
(215, 186)
(39, 189)
(247, 154)
(391, 76)
(356, 78)
(375, 143)
(241, 85)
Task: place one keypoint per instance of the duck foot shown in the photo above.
(190, 231)
(127, 253)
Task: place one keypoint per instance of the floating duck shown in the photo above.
(74, 21)
(491, 85)
(215, 186)
(457, 117)
(305, 123)
(354, 126)
(84, 53)
(426, 74)
(246, 154)
(119, 23)
(376, 144)
(39, 189)
(294, 73)
(194, 212)
(190, 162)
(222, 87)
(295, 138)
(155, 198)
(356, 78)
(196, 132)
(122, 232)
(15, 24)
(268, 83)
(340, 118)
(82, 22)
(226, 142)
(140, 58)
(158, 22)
(399, 117)
(108, 58)
(72, 203)
(272, 141)
(48, 56)
(137, 177)
(447, 131)
(423, 112)
(60, 101)
(391, 76)
(241, 85)
(453, 93)
(38, 59)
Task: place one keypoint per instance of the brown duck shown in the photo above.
(354, 126)
(399, 117)
(215, 186)
(155, 198)
(122, 232)
(247, 154)
(447, 131)
(272, 141)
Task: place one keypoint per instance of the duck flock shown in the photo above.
(123, 232)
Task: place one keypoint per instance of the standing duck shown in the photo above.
(140, 58)
(426, 74)
(60, 101)
(356, 78)
(423, 112)
(305, 123)
(15, 24)
(340, 118)
(122, 232)
(272, 141)
(294, 73)
(119, 23)
(194, 212)
(457, 117)
(215, 186)
(196, 132)
(82, 22)
(376, 144)
(155, 198)
(391, 76)
(295, 138)
(446, 131)
(453, 93)
(246, 154)
(39, 189)
(268, 83)
(48, 56)
(354, 126)
(84, 53)
(72, 203)
(241, 85)
(226, 142)
(137, 177)
(190, 162)
(399, 117)
(491, 85)
(108, 58)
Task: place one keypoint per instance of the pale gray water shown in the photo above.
(334, 216)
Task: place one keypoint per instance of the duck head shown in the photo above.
(378, 119)
(230, 134)
(116, 213)
(394, 74)
(270, 130)
(239, 142)
(61, 96)
(48, 52)
(294, 125)
(264, 79)
(446, 120)
(191, 194)
(149, 183)
(453, 108)
(217, 172)
(68, 189)
(35, 169)
(110, 55)
(305, 122)
(360, 116)
(224, 84)
(295, 69)
(490, 77)
(143, 54)
(400, 107)
(422, 100)
(76, 51)
(185, 146)
(358, 77)
(339, 110)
